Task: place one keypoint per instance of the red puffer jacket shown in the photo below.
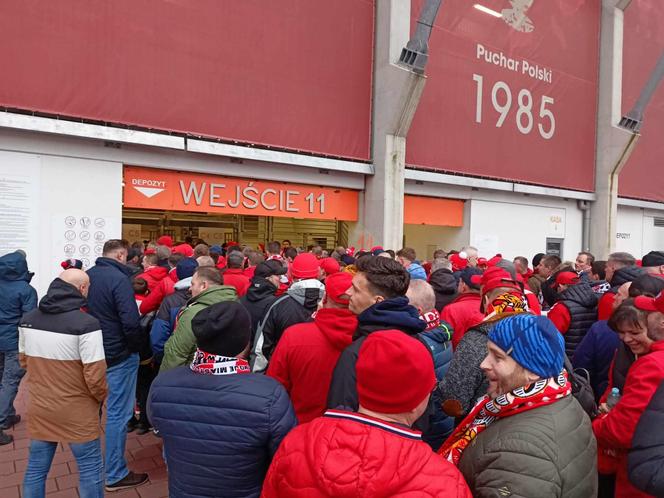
(616, 430)
(305, 358)
(153, 276)
(462, 314)
(164, 288)
(236, 278)
(349, 455)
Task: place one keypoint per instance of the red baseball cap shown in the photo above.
(184, 249)
(165, 240)
(330, 265)
(305, 265)
(567, 278)
(394, 372)
(495, 277)
(337, 285)
(458, 263)
(646, 303)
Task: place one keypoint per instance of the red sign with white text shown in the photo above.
(149, 188)
(512, 92)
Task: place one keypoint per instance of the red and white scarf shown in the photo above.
(213, 364)
(487, 410)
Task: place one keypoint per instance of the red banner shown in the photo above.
(643, 42)
(294, 74)
(150, 188)
(512, 91)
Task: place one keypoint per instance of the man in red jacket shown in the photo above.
(307, 352)
(371, 452)
(153, 273)
(464, 312)
(233, 274)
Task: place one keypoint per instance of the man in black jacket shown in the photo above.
(296, 306)
(378, 297)
(261, 292)
(111, 301)
(443, 282)
(646, 458)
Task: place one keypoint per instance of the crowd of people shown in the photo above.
(279, 371)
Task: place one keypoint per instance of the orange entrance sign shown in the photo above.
(183, 191)
(432, 211)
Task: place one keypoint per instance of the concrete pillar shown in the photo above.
(397, 92)
(614, 144)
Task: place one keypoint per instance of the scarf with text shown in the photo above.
(505, 304)
(487, 410)
(213, 364)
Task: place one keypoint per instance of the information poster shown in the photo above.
(19, 201)
(81, 236)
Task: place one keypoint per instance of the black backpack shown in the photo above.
(581, 388)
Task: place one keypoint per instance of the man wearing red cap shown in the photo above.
(305, 356)
(501, 297)
(576, 310)
(165, 240)
(371, 452)
(328, 266)
(295, 306)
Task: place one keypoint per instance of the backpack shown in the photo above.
(581, 388)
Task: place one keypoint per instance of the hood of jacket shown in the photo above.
(260, 289)
(157, 272)
(337, 325)
(13, 266)
(441, 334)
(394, 313)
(183, 284)
(61, 297)
(417, 271)
(580, 293)
(307, 292)
(112, 263)
(443, 282)
(626, 274)
(214, 295)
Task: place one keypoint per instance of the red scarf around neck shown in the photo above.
(213, 364)
(487, 410)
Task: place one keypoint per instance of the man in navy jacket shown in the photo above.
(221, 424)
(111, 301)
(16, 297)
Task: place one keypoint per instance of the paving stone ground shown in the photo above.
(143, 455)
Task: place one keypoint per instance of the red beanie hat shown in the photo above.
(165, 240)
(330, 265)
(337, 285)
(394, 372)
(305, 265)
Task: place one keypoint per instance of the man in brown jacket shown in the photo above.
(62, 349)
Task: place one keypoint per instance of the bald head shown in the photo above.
(77, 278)
(421, 295)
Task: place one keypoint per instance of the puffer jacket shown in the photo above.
(296, 306)
(259, 297)
(646, 459)
(305, 357)
(438, 340)
(111, 301)
(180, 347)
(581, 302)
(153, 276)
(445, 286)
(164, 324)
(350, 455)
(462, 314)
(548, 451)
(163, 289)
(219, 431)
(16, 297)
(389, 314)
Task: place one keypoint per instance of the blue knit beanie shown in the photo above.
(532, 341)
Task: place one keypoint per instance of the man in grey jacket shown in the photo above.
(528, 436)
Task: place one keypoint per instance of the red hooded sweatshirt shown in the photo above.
(306, 355)
(153, 276)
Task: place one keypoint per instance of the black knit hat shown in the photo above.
(223, 329)
(653, 258)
